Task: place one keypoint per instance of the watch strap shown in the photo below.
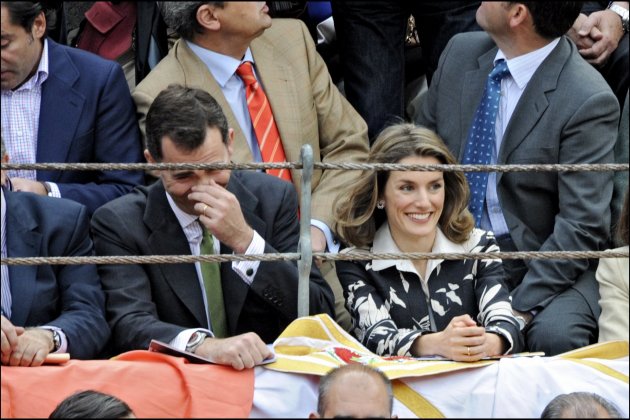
(623, 14)
(56, 340)
(195, 341)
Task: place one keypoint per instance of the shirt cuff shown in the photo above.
(63, 348)
(331, 242)
(247, 269)
(181, 340)
(54, 190)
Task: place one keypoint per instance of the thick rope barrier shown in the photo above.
(294, 256)
(577, 167)
(305, 254)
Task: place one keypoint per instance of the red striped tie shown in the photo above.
(262, 118)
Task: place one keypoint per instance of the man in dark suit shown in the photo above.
(245, 212)
(553, 108)
(61, 104)
(48, 308)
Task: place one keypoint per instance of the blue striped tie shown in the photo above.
(481, 138)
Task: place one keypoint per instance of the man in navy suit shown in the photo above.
(48, 308)
(61, 104)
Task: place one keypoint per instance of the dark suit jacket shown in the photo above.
(87, 115)
(567, 114)
(69, 297)
(159, 301)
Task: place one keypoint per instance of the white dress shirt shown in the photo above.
(20, 121)
(194, 233)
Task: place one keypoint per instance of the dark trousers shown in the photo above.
(371, 39)
(566, 323)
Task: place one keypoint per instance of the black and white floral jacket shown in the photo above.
(391, 305)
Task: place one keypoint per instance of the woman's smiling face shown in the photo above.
(414, 202)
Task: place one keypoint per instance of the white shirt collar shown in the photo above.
(523, 67)
(384, 243)
(221, 66)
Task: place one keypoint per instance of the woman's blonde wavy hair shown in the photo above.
(356, 215)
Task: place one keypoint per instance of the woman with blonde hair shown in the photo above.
(459, 309)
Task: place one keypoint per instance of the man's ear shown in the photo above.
(230, 143)
(207, 18)
(39, 26)
(518, 14)
(148, 157)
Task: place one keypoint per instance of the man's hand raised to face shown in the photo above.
(220, 212)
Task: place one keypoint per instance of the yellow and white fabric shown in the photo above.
(508, 387)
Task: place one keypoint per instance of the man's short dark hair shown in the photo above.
(184, 115)
(583, 405)
(327, 381)
(23, 13)
(553, 18)
(91, 405)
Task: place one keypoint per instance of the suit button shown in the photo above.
(249, 271)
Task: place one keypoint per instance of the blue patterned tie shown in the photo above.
(481, 138)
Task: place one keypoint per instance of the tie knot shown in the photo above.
(246, 72)
(500, 70)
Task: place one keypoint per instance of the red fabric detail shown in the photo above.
(109, 28)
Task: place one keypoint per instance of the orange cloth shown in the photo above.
(152, 384)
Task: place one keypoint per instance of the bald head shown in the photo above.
(354, 391)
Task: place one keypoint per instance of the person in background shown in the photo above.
(612, 275)
(372, 55)
(601, 34)
(48, 308)
(354, 391)
(61, 104)
(580, 405)
(456, 309)
(92, 405)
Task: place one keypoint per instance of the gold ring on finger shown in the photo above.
(205, 206)
(468, 350)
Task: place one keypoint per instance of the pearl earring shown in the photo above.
(380, 205)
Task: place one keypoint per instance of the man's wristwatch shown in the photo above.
(195, 341)
(56, 340)
(522, 323)
(47, 188)
(623, 14)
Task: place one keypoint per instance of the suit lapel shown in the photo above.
(60, 111)
(197, 75)
(234, 288)
(533, 102)
(279, 85)
(167, 238)
(474, 85)
(22, 241)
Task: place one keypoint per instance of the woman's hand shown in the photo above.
(462, 340)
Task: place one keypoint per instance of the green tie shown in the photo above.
(211, 274)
